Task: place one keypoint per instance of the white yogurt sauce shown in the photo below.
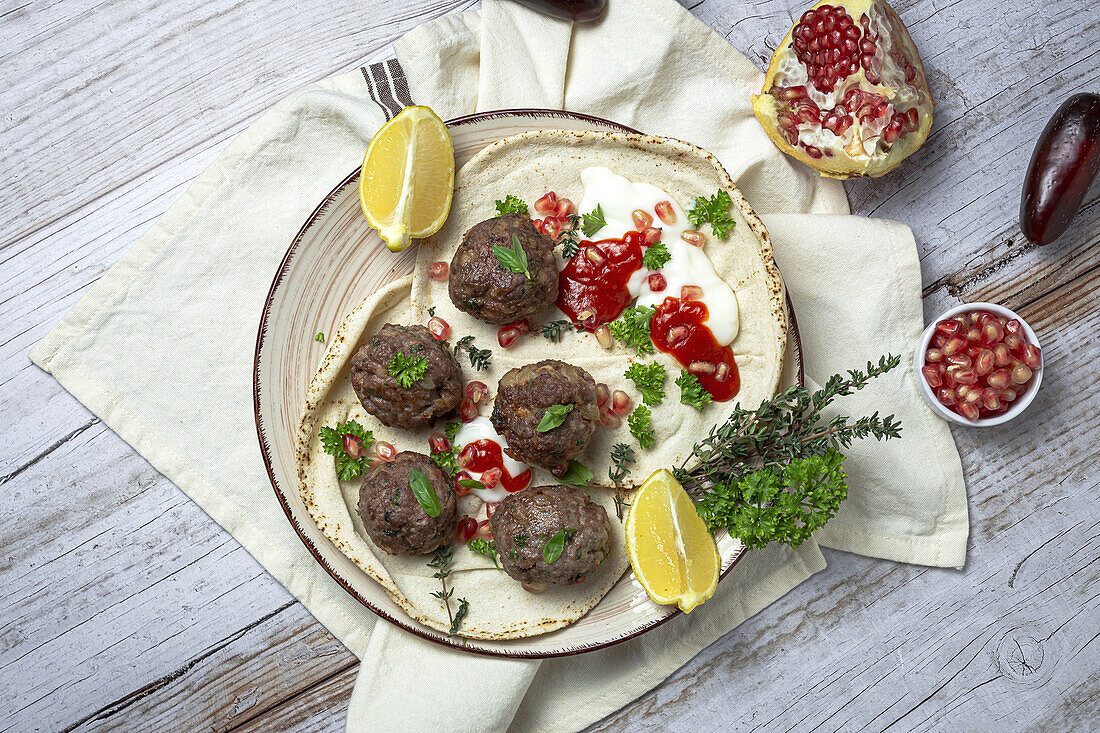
(480, 428)
(618, 197)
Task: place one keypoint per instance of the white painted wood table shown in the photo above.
(124, 607)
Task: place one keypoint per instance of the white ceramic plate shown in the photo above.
(333, 263)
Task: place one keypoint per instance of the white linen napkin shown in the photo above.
(169, 331)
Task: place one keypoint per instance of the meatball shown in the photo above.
(391, 514)
(525, 522)
(434, 395)
(524, 394)
(481, 286)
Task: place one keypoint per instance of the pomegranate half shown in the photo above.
(845, 92)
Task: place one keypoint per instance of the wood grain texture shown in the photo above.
(123, 607)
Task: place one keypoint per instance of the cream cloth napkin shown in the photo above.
(161, 347)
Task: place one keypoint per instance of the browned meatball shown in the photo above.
(525, 522)
(434, 395)
(523, 395)
(481, 286)
(391, 514)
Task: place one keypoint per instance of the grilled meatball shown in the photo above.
(526, 521)
(434, 395)
(523, 395)
(481, 286)
(391, 514)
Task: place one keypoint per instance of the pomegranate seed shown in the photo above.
(467, 410)
(353, 445)
(961, 392)
(535, 588)
(657, 282)
(973, 396)
(665, 212)
(701, 367)
(540, 225)
(385, 451)
(466, 528)
(812, 151)
(440, 271)
(603, 336)
(965, 376)
(1001, 356)
(691, 292)
(608, 418)
(1013, 341)
(439, 328)
(968, 410)
(983, 362)
(588, 318)
(651, 235)
(973, 350)
(507, 336)
(477, 391)
(953, 346)
(990, 400)
(437, 442)
(933, 374)
(1006, 395)
(593, 255)
(946, 396)
(973, 335)
(999, 379)
(641, 219)
(693, 237)
(459, 478)
(1030, 355)
(722, 373)
(484, 531)
(959, 359)
(491, 508)
(564, 208)
(933, 355)
(1013, 326)
(677, 335)
(552, 227)
(992, 333)
(522, 325)
(491, 477)
(560, 470)
(603, 394)
(548, 204)
(1021, 374)
(620, 402)
(466, 457)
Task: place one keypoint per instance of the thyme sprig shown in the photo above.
(480, 359)
(622, 457)
(553, 331)
(441, 561)
(570, 239)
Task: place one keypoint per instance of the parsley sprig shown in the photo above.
(480, 359)
(631, 328)
(485, 547)
(656, 256)
(713, 211)
(649, 379)
(511, 205)
(407, 370)
(593, 221)
(514, 258)
(332, 440)
(641, 427)
(692, 392)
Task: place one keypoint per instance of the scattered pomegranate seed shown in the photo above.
(507, 336)
(701, 367)
(564, 208)
(439, 328)
(677, 335)
(722, 373)
(490, 508)
(467, 410)
(588, 318)
(620, 402)
(657, 282)
(466, 457)
(665, 212)
(641, 219)
(491, 477)
(440, 271)
(385, 451)
(691, 292)
(693, 237)
(560, 470)
(548, 204)
(603, 394)
(552, 227)
(535, 588)
(603, 336)
(651, 235)
(522, 325)
(608, 418)
(933, 374)
(466, 528)
(477, 391)
(595, 256)
(484, 531)
(437, 442)
(353, 445)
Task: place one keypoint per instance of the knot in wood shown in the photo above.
(1020, 656)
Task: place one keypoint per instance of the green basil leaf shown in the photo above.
(554, 416)
(471, 483)
(578, 474)
(513, 258)
(425, 493)
(552, 550)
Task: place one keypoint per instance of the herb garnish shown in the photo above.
(656, 256)
(622, 455)
(554, 416)
(407, 371)
(485, 547)
(471, 483)
(649, 379)
(554, 330)
(332, 439)
(441, 561)
(513, 258)
(714, 211)
(320, 336)
(463, 609)
(552, 550)
(593, 221)
(569, 239)
(577, 474)
(640, 427)
(631, 328)
(774, 473)
(692, 392)
(425, 493)
(480, 359)
(520, 540)
(511, 205)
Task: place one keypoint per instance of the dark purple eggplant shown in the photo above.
(581, 11)
(1062, 168)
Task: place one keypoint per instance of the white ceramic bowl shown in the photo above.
(1021, 402)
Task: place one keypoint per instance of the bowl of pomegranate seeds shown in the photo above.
(979, 364)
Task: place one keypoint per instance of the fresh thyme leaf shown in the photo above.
(640, 428)
(554, 416)
(320, 336)
(554, 546)
(513, 258)
(425, 493)
(577, 474)
(713, 211)
(463, 609)
(485, 547)
(480, 359)
(569, 239)
(511, 205)
(631, 328)
(622, 456)
(692, 392)
(332, 440)
(407, 371)
(656, 256)
(441, 561)
(554, 330)
(593, 221)
(649, 379)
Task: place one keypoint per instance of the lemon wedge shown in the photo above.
(408, 177)
(673, 555)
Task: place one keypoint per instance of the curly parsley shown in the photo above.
(713, 211)
(593, 221)
(332, 440)
(631, 328)
(407, 371)
(692, 392)
(320, 337)
(656, 256)
(640, 427)
(514, 258)
(485, 547)
(649, 379)
(511, 205)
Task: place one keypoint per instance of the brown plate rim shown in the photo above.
(265, 450)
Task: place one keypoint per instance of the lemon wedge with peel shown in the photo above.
(673, 555)
(408, 177)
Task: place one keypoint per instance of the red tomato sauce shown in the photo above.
(584, 285)
(483, 454)
(695, 343)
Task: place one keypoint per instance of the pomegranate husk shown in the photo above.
(842, 163)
